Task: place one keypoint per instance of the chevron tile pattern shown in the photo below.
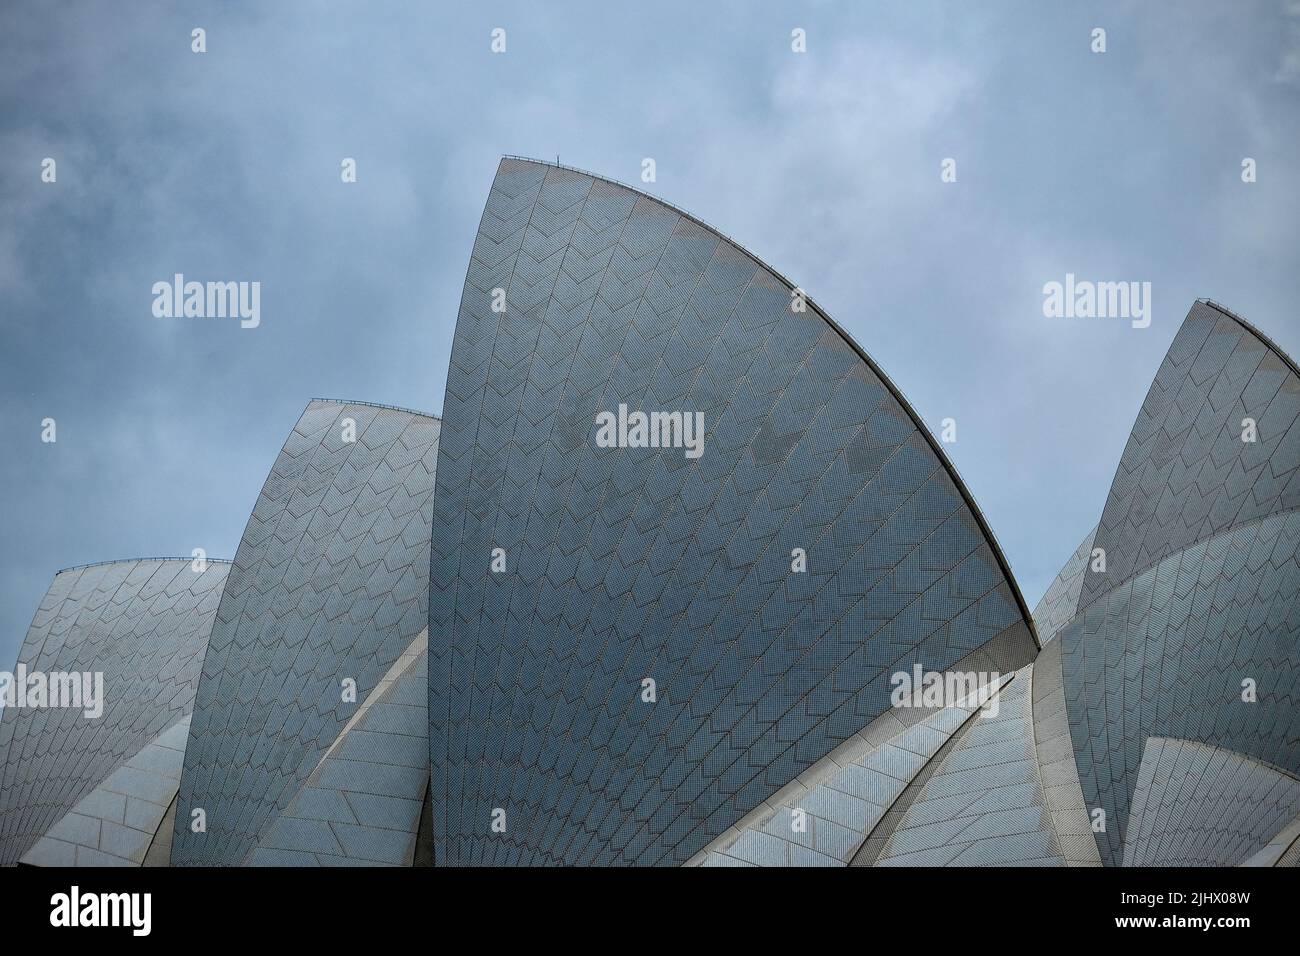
(119, 822)
(826, 823)
(1166, 655)
(623, 564)
(362, 804)
(1201, 589)
(1282, 850)
(1197, 805)
(1060, 602)
(144, 624)
(329, 583)
(1186, 473)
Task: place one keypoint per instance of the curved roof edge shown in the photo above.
(1268, 344)
(1273, 346)
(1138, 572)
(96, 564)
(391, 408)
(924, 429)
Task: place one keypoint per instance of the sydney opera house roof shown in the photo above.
(77, 790)
(1190, 633)
(644, 595)
(327, 592)
(626, 564)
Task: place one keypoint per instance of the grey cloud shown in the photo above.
(226, 166)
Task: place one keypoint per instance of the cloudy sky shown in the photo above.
(225, 165)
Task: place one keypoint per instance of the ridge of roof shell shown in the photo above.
(100, 564)
(921, 426)
(391, 408)
(144, 631)
(1144, 569)
(381, 602)
(1086, 598)
(1059, 581)
(1273, 346)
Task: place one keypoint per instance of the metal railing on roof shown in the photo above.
(391, 408)
(97, 564)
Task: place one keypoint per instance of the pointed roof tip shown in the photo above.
(999, 555)
(508, 158)
(1240, 320)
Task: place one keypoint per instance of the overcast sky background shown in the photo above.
(225, 166)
